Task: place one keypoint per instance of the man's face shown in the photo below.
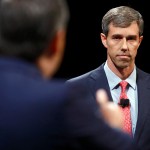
(122, 45)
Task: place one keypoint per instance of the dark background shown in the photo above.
(84, 50)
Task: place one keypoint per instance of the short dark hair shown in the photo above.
(27, 26)
(122, 16)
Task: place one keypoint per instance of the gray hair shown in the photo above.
(27, 26)
(122, 16)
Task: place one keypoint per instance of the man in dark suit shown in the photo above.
(35, 112)
(122, 29)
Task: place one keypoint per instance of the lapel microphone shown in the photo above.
(124, 103)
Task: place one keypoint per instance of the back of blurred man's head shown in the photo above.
(34, 30)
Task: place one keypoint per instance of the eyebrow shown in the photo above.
(121, 36)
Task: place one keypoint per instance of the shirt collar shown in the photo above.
(114, 80)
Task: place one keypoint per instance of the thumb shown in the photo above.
(101, 97)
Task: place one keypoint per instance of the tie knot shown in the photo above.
(123, 84)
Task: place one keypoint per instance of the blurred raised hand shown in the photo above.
(111, 112)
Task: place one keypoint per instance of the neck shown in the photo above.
(122, 73)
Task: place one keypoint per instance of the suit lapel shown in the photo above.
(143, 101)
(99, 79)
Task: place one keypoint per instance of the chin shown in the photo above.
(122, 65)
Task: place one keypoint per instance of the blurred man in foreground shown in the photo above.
(37, 113)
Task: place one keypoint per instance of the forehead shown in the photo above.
(133, 29)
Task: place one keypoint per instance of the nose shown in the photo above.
(124, 44)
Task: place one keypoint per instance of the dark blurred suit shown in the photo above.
(96, 79)
(29, 106)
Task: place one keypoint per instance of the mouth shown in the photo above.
(123, 56)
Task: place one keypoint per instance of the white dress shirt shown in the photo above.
(115, 89)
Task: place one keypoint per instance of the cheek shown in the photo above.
(113, 48)
(133, 52)
(134, 45)
(114, 45)
(111, 52)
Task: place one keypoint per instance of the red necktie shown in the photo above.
(125, 107)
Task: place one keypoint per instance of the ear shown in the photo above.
(58, 43)
(52, 57)
(103, 39)
(141, 38)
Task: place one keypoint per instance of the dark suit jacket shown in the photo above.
(96, 79)
(39, 114)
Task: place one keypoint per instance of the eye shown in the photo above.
(117, 37)
(131, 38)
